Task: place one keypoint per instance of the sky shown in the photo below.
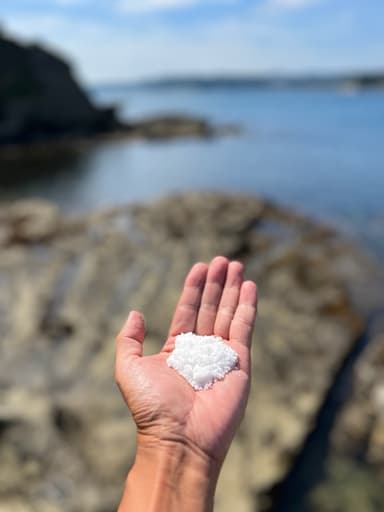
(124, 40)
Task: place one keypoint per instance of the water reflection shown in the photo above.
(317, 151)
(45, 171)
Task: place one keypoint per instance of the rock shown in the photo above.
(350, 487)
(28, 221)
(40, 99)
(40, 102)
(355, 471)
(66, 287)
(171, 126)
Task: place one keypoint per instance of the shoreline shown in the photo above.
(151, 129)
(307, 326)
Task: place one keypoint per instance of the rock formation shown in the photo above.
(354, 477)
(41, 101)
(67, 283)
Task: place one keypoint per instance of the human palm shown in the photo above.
(214, 300)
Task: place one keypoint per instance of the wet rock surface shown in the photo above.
(354, 475)
(67, 283)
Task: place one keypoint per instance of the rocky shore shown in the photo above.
(354, 475)
(41, 101)
(67, 283)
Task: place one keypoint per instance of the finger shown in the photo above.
(211, 296)
(243, 321)
(129, 342)
(229, 299)
(184, 319)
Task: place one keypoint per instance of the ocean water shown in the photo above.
(318, 151)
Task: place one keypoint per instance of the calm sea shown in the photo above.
(319, 151)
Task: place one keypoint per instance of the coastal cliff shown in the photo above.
(40, 101)
(66, 438)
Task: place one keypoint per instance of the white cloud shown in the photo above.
(249, 42)
(132, 6)
(103, 52)
(71, 3)
(145, 6)
(292, 4)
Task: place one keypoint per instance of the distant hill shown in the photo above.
(350, 80)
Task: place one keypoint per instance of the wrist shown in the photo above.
(169, 475)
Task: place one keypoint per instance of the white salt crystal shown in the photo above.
(202, 360)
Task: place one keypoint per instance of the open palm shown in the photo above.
(214, 300)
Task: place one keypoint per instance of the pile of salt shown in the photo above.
(202, 360)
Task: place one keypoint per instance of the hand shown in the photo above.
(166, 409)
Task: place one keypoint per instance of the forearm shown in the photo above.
(169, 477)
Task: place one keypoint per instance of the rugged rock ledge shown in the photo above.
(39, 98)
(66, 440)
(354, 476)
(41, 101)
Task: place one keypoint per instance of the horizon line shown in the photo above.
(376, 74)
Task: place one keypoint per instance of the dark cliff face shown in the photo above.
(40, 99)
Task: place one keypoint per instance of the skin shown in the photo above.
(183, 435)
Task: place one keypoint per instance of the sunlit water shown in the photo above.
(321, 152)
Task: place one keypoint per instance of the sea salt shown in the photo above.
(202, 360)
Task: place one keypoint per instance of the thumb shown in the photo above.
(129, 342)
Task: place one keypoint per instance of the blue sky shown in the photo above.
(115, 40)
